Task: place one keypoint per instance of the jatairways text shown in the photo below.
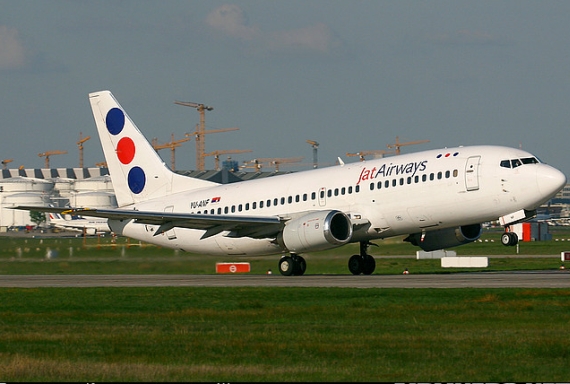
(386, 170)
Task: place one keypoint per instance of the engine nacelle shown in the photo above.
(446, 238)
(90, 231)
(317, 231)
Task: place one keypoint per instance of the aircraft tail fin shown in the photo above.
(137, 171)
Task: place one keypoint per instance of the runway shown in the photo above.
(538, 279)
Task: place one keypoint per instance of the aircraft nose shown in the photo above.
(550, 181)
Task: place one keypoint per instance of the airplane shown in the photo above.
(88, 225)
(436, 198)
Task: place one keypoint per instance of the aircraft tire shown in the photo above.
(355, 264)
(509, 239)
(286, 266)
(514, 239)
(299, 265)
(369, 265)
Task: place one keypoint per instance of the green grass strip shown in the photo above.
(284, 334)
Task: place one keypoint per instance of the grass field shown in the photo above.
(284, 334)
(276, 334)
(104, 256)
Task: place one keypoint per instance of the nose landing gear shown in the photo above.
(509, 239)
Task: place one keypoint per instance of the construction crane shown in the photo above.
(173, 144)
(276, 161)
(363, 154)
(50, 153)
(217, 154)
(6, 162)
(315, 146)
(80, 145)
(200, 132)
(398, 144)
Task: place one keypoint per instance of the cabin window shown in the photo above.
(357, 189)
(283, 201)
(289, 199)
(247, 206)
(240, 207)
(305, 197)
(226, 209)
(350, 190)
(455, 173)
(313, 195)
(254, 205)
(371, 186)
(261, 204)
(233, 208)
(394, 182)
(386, 183)
(447, 174)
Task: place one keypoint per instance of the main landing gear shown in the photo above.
(292, 265)
(363, 263)
(509, 239)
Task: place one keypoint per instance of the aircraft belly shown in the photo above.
(190, 240)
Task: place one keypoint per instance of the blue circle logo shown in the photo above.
(115, 121)
(136, 180)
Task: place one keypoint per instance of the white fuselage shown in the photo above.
(397, 195)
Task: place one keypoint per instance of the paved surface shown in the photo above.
(539, 279)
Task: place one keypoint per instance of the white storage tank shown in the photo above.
(93, 200)
(16, 218)
(100, 183)
(64, 186)
(25, 184)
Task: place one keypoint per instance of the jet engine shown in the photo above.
(90, 231)
(445, 238)
(316, 231)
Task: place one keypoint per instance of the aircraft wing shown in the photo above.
(239, 226)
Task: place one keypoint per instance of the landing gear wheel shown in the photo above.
(292, 265)
(300, 265)
(363, 263)
(369, 265)
(509, 239)
(355, 264)
(286, 266)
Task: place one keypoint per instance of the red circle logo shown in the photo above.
(126, 150)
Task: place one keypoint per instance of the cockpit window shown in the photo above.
(513, 163)
(530, 160)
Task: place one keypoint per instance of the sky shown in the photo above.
(351, 75)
